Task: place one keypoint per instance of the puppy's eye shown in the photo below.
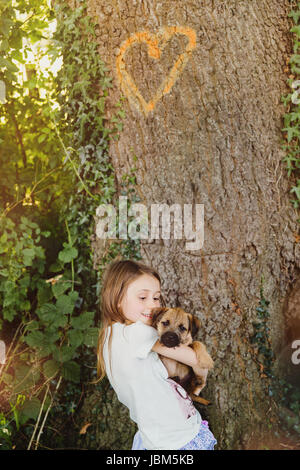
(166, 323)
(182, 328)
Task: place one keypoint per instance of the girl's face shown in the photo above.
(141, 296)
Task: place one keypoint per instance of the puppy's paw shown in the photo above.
(206, 362)
(200, 380)
(198, 389)
(203, 358)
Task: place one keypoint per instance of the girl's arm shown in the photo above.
(181, 353)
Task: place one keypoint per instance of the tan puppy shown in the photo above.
(176, 327)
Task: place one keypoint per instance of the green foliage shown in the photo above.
(289, 398)
(56, 171)
(27, 168)
(291, 127)
(22, 263)
(5, 433)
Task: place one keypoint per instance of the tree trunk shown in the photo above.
(203, 84)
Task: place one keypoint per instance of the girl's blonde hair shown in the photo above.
(117, 277)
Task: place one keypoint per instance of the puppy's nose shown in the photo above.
(170, 339)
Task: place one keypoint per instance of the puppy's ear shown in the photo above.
(195, 325)
(157, 313)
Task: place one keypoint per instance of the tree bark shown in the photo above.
(208, 131)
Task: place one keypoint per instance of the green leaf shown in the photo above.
(30, 410)
(4, 63)
(91, 337)
(50, 368)
(68, 253)
(32, 325)
(35, 339)
(60, 287)
(296, 30)
(5, 25)
(55, 267)
(64, 353)
(29, 252)
(44, 293)
(41, 138)
(8, 379)
(83, 321)
(4, 272)
(295, 15)
(65, 304)
(71, 371)
(47, 312)
(25, 377)
(296, 190)
(44, 342)
(9, 299)
(25, 282)
(76, 338)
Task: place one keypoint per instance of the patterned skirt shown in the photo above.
(204, 440)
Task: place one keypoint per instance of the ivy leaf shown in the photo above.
(296, 190)
(295, 15)
(296, 30)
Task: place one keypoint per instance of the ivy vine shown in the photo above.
(291, 101)
(55, 138)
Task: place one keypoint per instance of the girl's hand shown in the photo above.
(181, 353)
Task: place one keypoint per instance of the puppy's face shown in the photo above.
(174, 326)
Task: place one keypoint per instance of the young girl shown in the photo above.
(128, 349)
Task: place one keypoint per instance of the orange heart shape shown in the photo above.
(156, 43)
